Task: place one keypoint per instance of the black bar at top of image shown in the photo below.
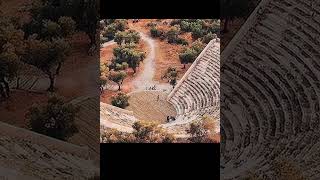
(160, 9)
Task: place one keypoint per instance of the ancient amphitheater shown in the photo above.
(196, 94)
(28, 155)
(271, 91)
(87, 122)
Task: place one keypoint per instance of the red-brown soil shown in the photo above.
(13, 110)
(106, 55)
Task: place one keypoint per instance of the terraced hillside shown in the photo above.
(28, 155)
(116, 118)
(87, 123)
(270, 91)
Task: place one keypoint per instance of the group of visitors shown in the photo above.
(154, 87)
(135, 20)
(101, 89)
(170, 118)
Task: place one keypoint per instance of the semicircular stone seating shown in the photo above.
(112, 117)
(270, 91)
(28, 155)
(197, 94)
(86, 120)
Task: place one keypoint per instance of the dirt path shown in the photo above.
(144, 79)
(109, 43)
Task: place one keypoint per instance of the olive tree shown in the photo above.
(117, 77)
(47, 56)
(55, 119)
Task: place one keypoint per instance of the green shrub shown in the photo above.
(175, 21)
(182, 41)
(117, 77)
(163, 37)
(143, 132)
(197, 30)
(197, 27)
(109, 21)
(172, 34)
(198, 46)
(171, 73)
(214, 28)
(50, 29)
(130, 36)
(68, 26)
(156, 32)
(208, 37)
(198, 33)
(127, 53)
(185, 26)
(113, 26)
(122, 66)
(55, 119)
(188, 55)
(121, 100)
(109, 32)
(121, 24)
(151, 24)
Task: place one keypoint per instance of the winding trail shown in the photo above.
(144, 79)
(109, 43)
